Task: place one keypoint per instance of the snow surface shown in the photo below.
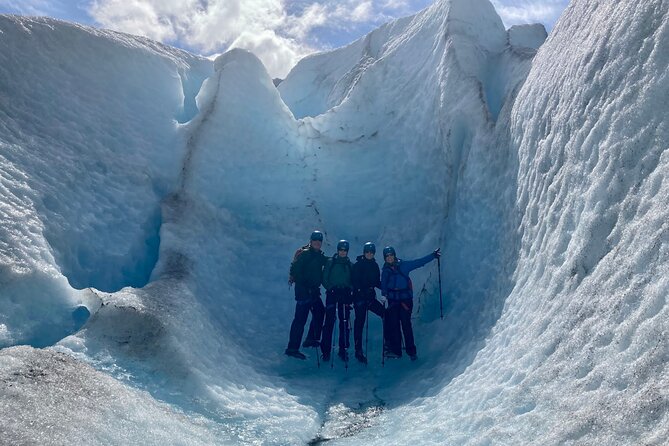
(167, 194)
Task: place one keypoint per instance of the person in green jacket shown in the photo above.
(338, 298)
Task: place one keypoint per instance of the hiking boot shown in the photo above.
(326, 357)
(392, 355)
(360, 357)
(295, 354)
(413, 357)
(311, 343)
(343, 354)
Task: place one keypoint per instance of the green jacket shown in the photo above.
(337, 273)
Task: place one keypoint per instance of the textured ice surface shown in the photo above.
(542, 175)
(50, 398)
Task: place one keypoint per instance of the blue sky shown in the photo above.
(280, 32)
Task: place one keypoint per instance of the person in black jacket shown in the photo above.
(365, 277)
(306, 273)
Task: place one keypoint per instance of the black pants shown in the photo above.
(308, 299)
(337, 300)
(399, 314)
(363, 304)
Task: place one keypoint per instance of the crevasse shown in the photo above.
(541, 174)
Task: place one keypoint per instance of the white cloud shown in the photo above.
(363, 12)
(313, 16)
(279, 39)
(214, 26)
(396, 4)
(277, 53)
(515, 12)
(134, 17)
(266, 27)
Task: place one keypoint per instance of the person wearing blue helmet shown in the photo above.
(306, 273)
(366, 277)
(396, 286)
(337, 284)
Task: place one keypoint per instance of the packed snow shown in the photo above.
(152, 200)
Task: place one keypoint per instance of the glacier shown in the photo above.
(164, 194)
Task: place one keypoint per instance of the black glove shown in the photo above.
(437, 253)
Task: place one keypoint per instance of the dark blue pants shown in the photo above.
(363, 303)
(337, 300)
(399, 314)
(307, 299)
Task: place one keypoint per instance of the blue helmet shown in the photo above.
(343, 244)
(316, 235)
(369, 247)
(388, 250)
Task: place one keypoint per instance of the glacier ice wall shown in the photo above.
(541, 174)
(579, 354)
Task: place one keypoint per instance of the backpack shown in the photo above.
(331, 264)
(297, 254)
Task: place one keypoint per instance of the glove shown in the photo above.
(437, 253)
(384, 301)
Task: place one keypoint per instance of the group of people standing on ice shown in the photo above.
(351, 285)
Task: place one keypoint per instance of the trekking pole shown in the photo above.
(334, 339)
(367, 334)
(383, 331)
(441, 301)
(346, 331)
(318, 360)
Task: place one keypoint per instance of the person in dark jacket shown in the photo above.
(306, 273)
(365, 277)
(396, 286)
(337, 284)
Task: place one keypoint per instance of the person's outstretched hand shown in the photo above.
(437, 253)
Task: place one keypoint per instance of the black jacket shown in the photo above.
(307, 270)
(365, 276)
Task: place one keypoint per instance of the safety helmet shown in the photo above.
(388, 250)
(343, 244)
(369, 247)
(316, 235)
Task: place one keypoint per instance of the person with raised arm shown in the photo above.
(396, 286)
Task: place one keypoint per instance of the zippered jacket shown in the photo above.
(307, 269)
(337, 273)
(395, 281)
(365, 276)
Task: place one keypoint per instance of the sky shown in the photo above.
(279, 32)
